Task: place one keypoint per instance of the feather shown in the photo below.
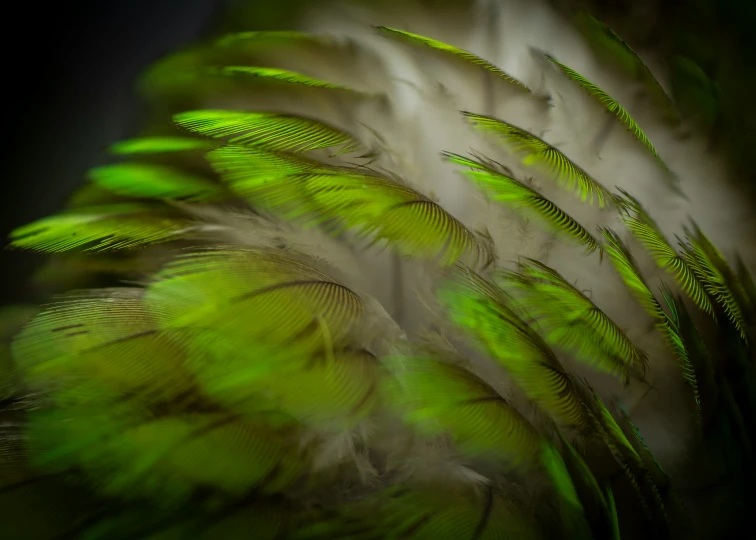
(672, 333)
(538, 152)
(102, 228)
(611, 105)
(605, 42)
(172, 451)
(645, 230)
(149, 181)
(371, 204)
(481, 309)
(573, 513)
(330, 393)
(667, 325)
(441, 513)
(157, 145)
(628, 459)
(271, 131)
(409, 37)
(526, 201)
(282, 75)
(626, 267)
(257, 294)
(441, 397)
(68, 340)
(583, 476)
(571, 321)
(713, 272)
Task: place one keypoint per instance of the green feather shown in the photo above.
(611, 105)
(101, 228)
(571, 321)
(713, 272)
(627, 269)
(454, 51)
(372, 205)
(645, 230)
(440, 397)
(606, 43)
(438, 512)
(572, 510)
(672, 333)
(272, 74)
(501, 188)
(482, 310)
(142, 180)
(272, 131)
(538, 152)
(157, 145)
(257, 294)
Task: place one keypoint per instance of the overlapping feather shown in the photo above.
(237, 390)
(536, 151)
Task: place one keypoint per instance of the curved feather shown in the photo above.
(580, 469)
(715, 275)
(481, 309)
(610, 104)
(433, 512)
(440, 397)
(254, 294)
(409, 37)
(573, 513)
(645, 230)
(674, 337)
(143, 180)
(329, 392)
(101, 228)
(625, 265)
(573, 322)
(604, 40)
(282, 75)
(105, 335)
(272, 131)
(667, 325)
(626, 456)
(168, 457)
(157, 145)
(372, 205)
(521, 198)
(537, 151)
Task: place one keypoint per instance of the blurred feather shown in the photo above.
(295, 321)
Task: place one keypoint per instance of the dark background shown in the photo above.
(69, 70)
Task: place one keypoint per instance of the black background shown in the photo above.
(68, 74)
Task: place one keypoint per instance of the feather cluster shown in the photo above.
(325, 336)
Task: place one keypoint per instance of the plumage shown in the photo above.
(311, 326)
(537, 152)
(279, 132)
(607, 44)
(454, 51)
(141, 180)
(157, 145)
(611, 105)
(570, 320)
(525, 200)
(96, 228)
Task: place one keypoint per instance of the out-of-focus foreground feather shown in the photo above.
(375, 278)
